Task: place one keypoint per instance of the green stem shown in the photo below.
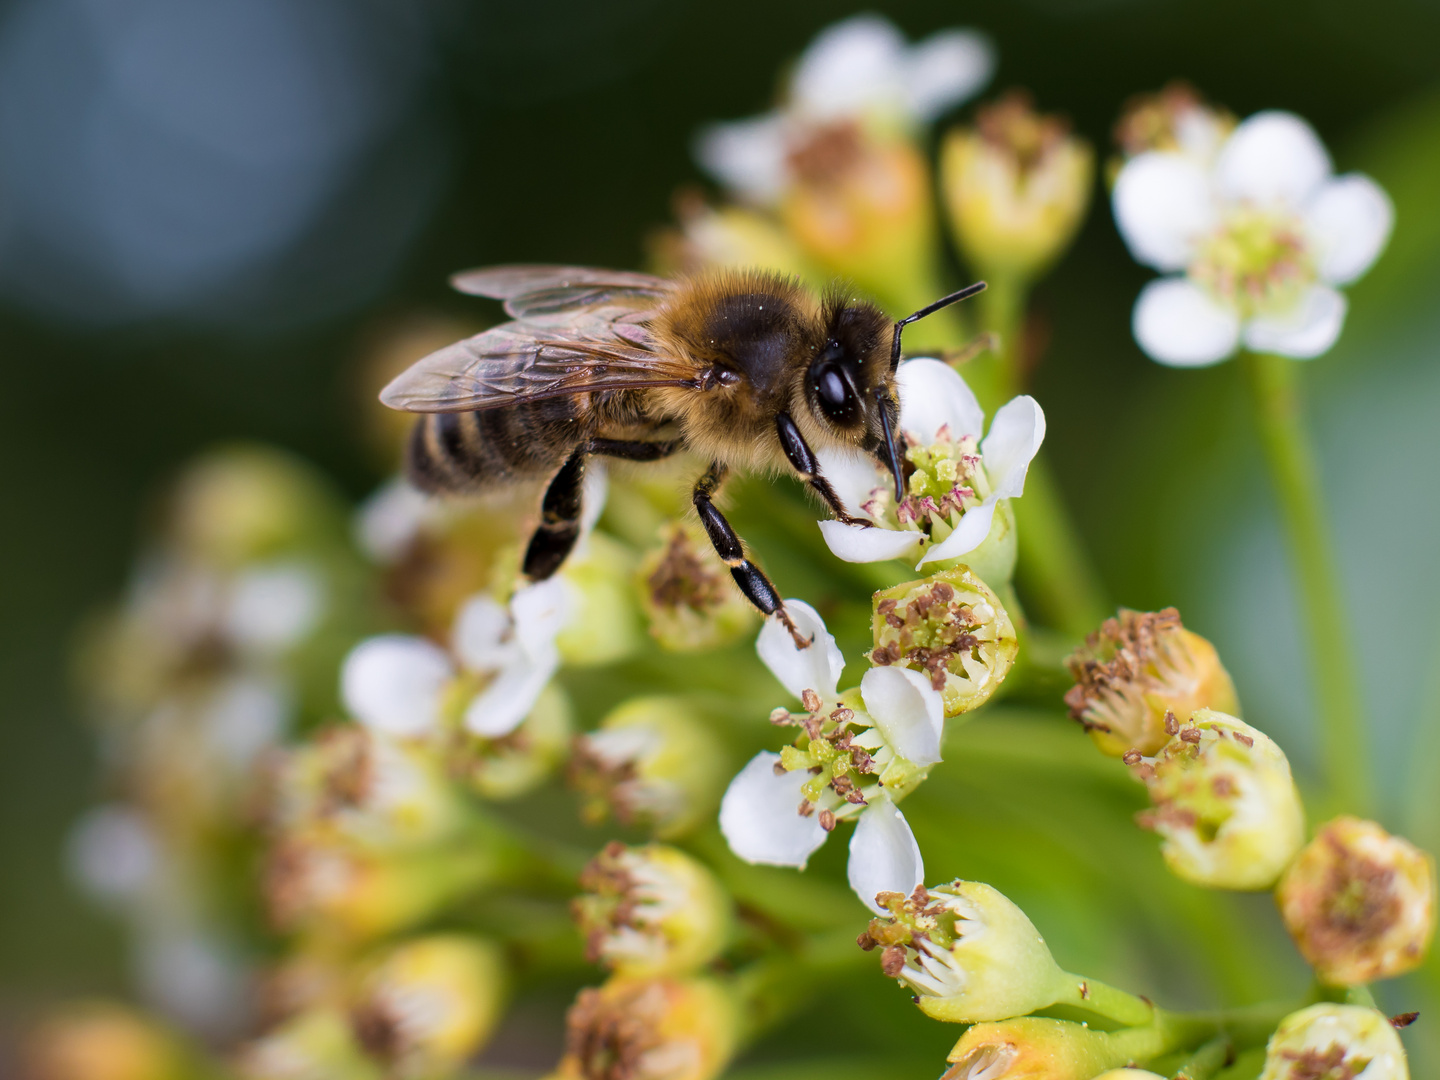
(1207, 1061)
(1345, 754)
(1103, 1000)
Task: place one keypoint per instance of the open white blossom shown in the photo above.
(1258, 240)
(864, 749)
(861, 68)
(956, 495)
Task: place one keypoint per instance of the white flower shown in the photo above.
(959, 482)
(1263, 237)
(389, 521)
(778, 812)
(860, 68)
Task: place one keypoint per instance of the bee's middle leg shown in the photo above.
(803, 459)
(751, 579)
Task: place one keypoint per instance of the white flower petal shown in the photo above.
(815, 668)
(854, 477)
(484, 636)
(595, 489)
(1350, 220)
(501, 706)
(274, 606)
(245, 715)
(747, 156)
(851, 67)
(884, 856)
(759, 815)
(393, 683)
(1273, 158)
(932, 396)
(540, 611)
(1163, 204)
(857, 544)
(974, 527)
(945, 69)
(113, 854)
(907, 710)
(1304, 332)
(1177, 323)
(390, 519)
(1015, 436)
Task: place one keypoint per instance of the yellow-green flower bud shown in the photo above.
(1016, 188)
(952, 628)
(861, 208)
(1137, 668)
(650, 910)
(658, 1029)
(512, 765)
(425, 1007)
(1129, 1074)
(1335, 1041)
(651, 762)
(725, 237)
(314, 1045)
(1175, 119)
(1224, 801)
(101, 1041)
(602, 624)
(1359, 903)
(688, 595)
(1033, 1048)
(967, 952)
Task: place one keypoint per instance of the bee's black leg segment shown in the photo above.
(634, 449)
(751, 579)
(803, 459)
(559, 526)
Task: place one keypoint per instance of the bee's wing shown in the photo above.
(537, 291)
(597, 350)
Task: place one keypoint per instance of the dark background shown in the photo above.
(558, 131)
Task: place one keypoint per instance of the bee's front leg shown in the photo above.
(803, 459)
(751, 579)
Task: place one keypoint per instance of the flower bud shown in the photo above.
(1033, 1048)
(429, 1004)
(1359, 903)
(370, 788)
(601, 624)
(316, 1045)
(659, 1029)
(1135, 669)
(1016, 187)
(1329, 1040)
(101, 1041)
(650, 910)
(1129, 1074)
(952, 628)
(509, 766)
(1224, 801)
(652, 762)
(860, 209)
(724, 237)
(968, 952)
(1176, 119)
(688, 595)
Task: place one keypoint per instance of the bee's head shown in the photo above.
(850, 383)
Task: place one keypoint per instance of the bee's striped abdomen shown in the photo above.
(477, 451)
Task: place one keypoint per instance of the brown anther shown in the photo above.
(1172, 726)
(862, 760)
(1190, 735)
(1244, 740)
(1223, 786)
(865, 941)
(921, 896)
(811, 724)
(1132, 757)
(811, 700)
(892, 961)
(806, 808)
(1404, 1020)
(780, 717)
(827, 820)
(779, 768)
(889, 899)
(842, 715)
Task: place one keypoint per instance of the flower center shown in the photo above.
(1257, 260)
(948, 478)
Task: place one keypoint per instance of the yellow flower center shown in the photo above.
(1257, 260)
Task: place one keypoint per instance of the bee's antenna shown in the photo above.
(943, 302)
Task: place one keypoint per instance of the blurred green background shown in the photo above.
(205, 218)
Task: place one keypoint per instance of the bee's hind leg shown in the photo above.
(559, 526)
(751, 579)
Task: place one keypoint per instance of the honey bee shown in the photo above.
(747, 368)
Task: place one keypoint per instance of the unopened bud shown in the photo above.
(429, 1004)
(860, 208)
(1359, 903)
(1339, 1041)
(602, 624)
(724, 238)
(511, 765)
(1225, 803)
(652, 762)
(968, 952)
(688, 595)
(315, 1044)
(101, 1041)
(1176, 120)
(650, 910)
(659, 1029)
(1016, 187)
(952, 628)
(1033, 1048)
(1137, 668)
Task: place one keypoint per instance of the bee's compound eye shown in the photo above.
(835, 394)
